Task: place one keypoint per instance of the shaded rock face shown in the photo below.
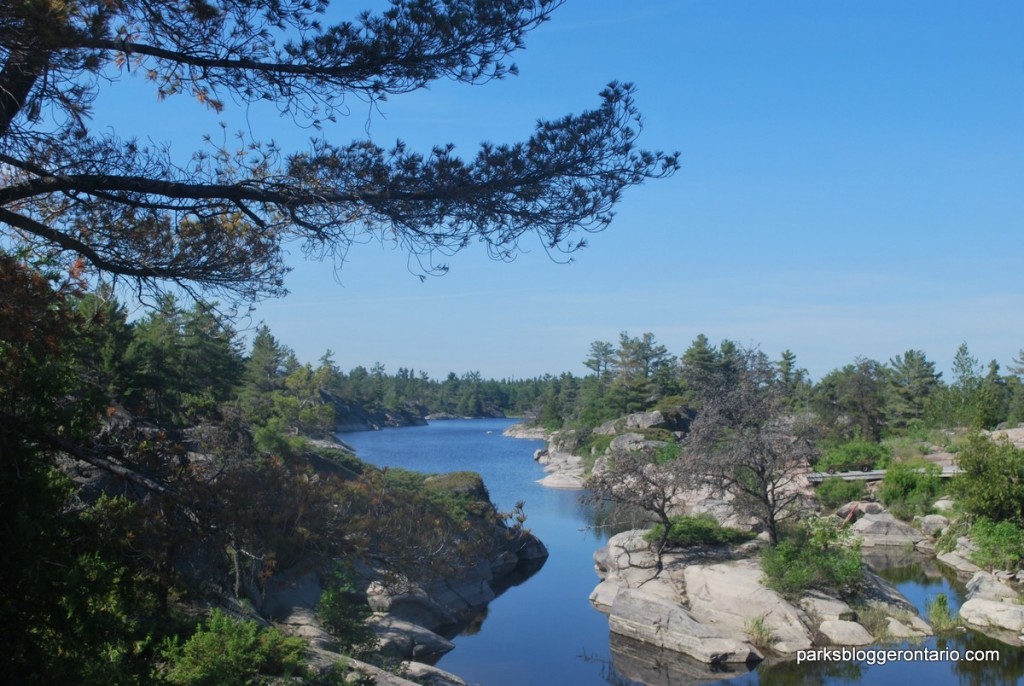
(444, 607)
(676, 420)
(352, 416)
(399, 638)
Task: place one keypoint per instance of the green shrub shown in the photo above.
(834, 491)
(939, 615)
(700, 529)
(668, 453)
(343, 611)
(759, 633)
(853, 455)
(910, 488)
(455, 493)
(228, 652)
(991, 484)
(818, 554)
(999, 545)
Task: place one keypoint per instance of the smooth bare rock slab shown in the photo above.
(987, 586)
(564, 481)
(821, 607)
(885, 530)
(993, 613)
(564, 470)
(603, 595)
(844, 633)
(958, 562)
(652, 620)
(943, 504)
(898, 629)
(627, 561)
(878, 591)
(400, 638)
(529, 432)
(414, 606)
(625, 553)
(728, 595)
(429, 675)
(379, 676)
(304, 623)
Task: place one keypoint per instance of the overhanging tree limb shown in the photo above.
(217, 223)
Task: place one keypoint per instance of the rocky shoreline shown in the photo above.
(564, 470)
(701, 604)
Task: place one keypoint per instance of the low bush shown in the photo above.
(460, 495)
(991, 483)
(853, 455)
(818, 554)
(939, 615)
(759, 633)
(910, 488)
(228, 652)
(834, 492)
(999, 545)
(694, 530)
(343, 611)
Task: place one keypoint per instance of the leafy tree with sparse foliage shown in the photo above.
(746, 442)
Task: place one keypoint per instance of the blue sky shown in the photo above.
(852, 184)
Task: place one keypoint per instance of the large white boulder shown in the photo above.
(993, 613)
(728, 595)
(885, 530)
(845, 633)
(655, 621)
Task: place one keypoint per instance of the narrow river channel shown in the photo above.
(544, 632)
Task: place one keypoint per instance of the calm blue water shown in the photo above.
(545, 631)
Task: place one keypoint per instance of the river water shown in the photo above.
(545, 632)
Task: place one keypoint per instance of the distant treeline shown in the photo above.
(181, 365)
(864, 399)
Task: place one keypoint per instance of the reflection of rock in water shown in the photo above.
(475, 623)
(643, 663)
(893, 558)
(900, 566)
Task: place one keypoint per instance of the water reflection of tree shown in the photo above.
(605, 519)
(1008, 670)
(789, 673)
(608, 672)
